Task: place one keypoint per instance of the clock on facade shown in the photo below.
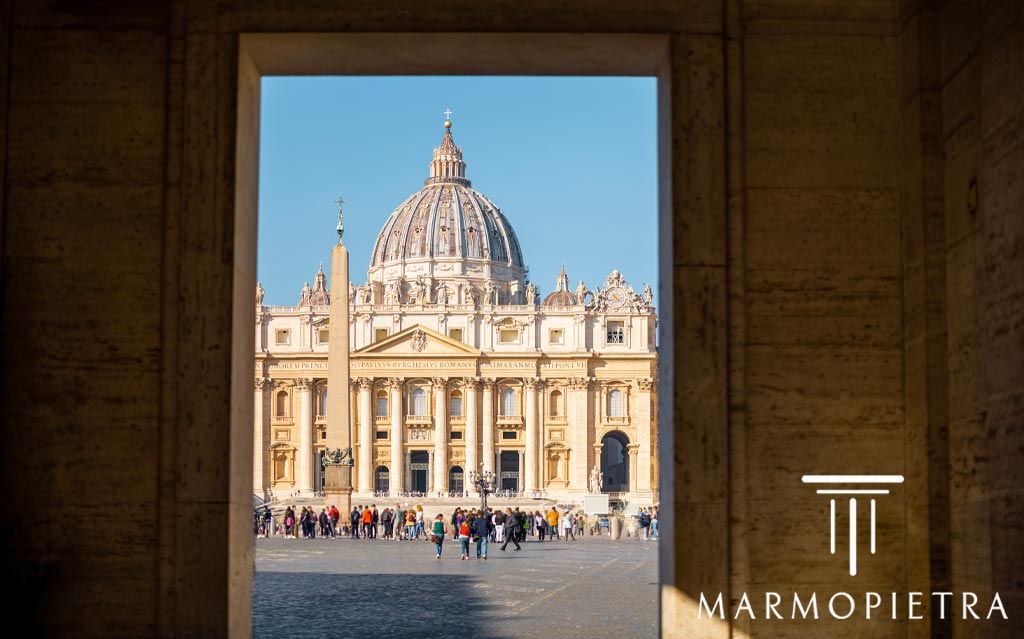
(616, 296)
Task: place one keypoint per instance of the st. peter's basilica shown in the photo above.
(459, 364)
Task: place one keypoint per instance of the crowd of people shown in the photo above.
(477, 526)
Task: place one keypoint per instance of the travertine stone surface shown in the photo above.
(844, 285)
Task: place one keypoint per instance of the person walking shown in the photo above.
(437, 534)
(420, 524)
(512, 524)
(399, 522)
(553, 523)
(367, 517)
(567, 525)
(498, 519)
(464, 538)
(480, 530)
(410, 524)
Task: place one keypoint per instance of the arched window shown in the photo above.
(615, 405)
(509, 406)
(281, 408)
(382, 479)
(382, 404)
(419, 402)
(323, 402)
(456, 401)
(555, 404)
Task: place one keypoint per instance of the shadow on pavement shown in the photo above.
(298, 605)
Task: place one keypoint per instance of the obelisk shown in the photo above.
(338, 476)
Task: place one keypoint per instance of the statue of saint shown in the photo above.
(490, 294)
(531, 294)
(391, 294)
(307, 293)
(648, 295)
(259, 294)
(581, 292)
(595, 479)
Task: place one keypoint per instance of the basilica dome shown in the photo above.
(448, 230)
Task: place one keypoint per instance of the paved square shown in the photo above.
(354, 588)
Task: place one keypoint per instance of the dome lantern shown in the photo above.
(447, 165)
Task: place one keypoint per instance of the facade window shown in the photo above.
(382, 404)
(456, 410)
(556, 336)
(509, 405)
(456, 434)
(382, 434)
(281, 406)
(282, 336)
(419, 402)
(508, 434)
(616, 332)
(323, 403)
(323, 335)
(615, 404)
(555, 404)
(379, 334)
(323, 434)
(508, 336)
(455, 333)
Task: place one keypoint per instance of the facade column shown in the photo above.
(440, 461)
(579, 428)
(471, 388)
(304, 473)
(487, 435)
(365, 461)
(260, 445)
(643, 432)
(397, 474)
(532, 436)
(631, 450)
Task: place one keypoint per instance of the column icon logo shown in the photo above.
(852, 486)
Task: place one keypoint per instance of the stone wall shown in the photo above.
(842, 298)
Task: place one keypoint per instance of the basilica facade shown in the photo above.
(458, 364)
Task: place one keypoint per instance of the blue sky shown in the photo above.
(570, 161)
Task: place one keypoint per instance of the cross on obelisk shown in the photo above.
(448, 114)
(341, 225)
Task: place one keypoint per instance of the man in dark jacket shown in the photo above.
(513, 523)
(480, 532)
(354, 518)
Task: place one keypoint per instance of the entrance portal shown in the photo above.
(455, 480)
(419, 467)
(615, 463)
(509, 476)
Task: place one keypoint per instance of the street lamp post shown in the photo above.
(485, 483)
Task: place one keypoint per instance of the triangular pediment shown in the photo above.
(418, 340)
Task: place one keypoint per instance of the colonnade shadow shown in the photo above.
(398, 606)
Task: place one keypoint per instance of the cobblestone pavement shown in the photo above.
(394, 590)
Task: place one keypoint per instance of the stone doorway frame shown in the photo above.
(216, 244)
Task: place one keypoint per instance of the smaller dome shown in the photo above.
(559, 298)
(561, 295)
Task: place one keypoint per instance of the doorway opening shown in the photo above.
(419, 472)
(518, 470)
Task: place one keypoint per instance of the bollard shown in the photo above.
(614, 527)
